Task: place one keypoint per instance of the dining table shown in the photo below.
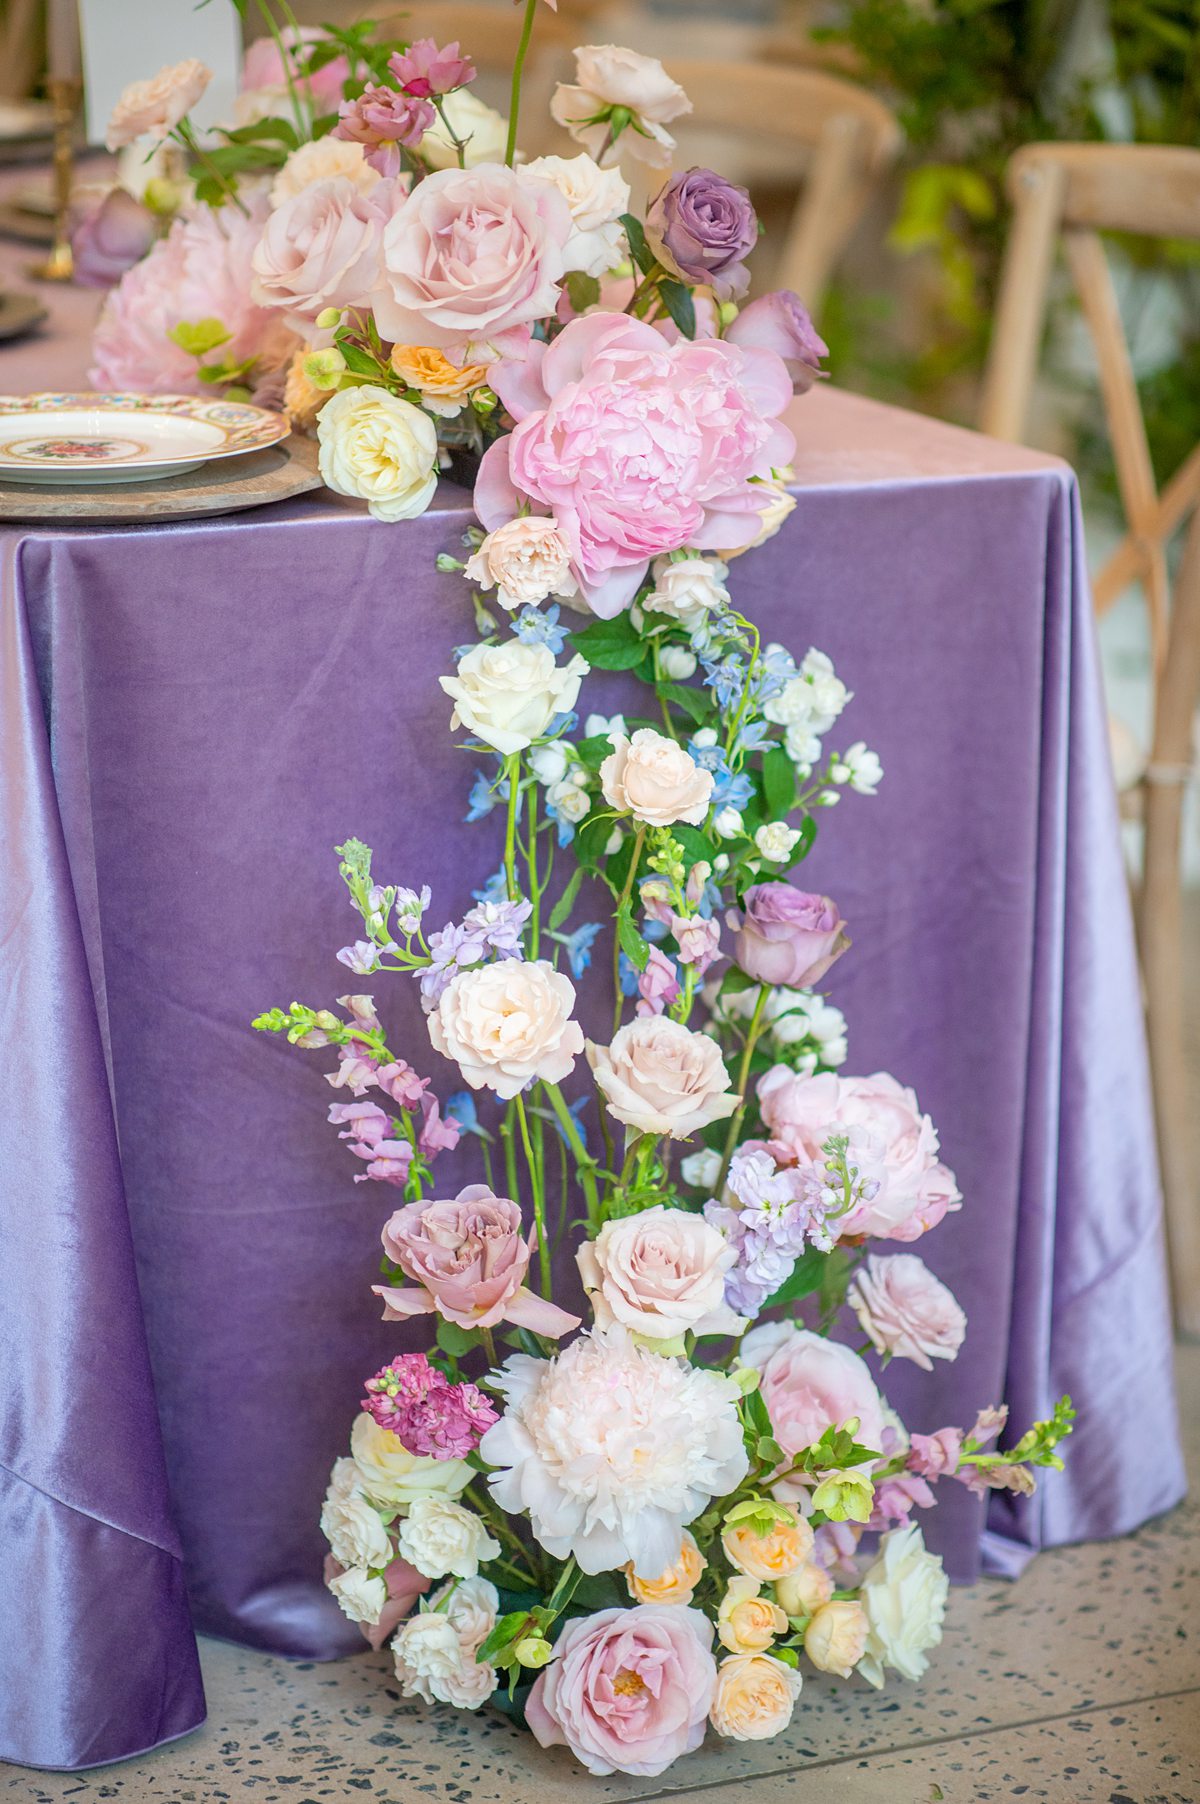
(193, 714)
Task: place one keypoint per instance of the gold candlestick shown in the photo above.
(65, 94)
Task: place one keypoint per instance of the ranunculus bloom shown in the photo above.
(755, 1697)
(780, 322)
(661, 1078)
(471, 260)
(425, 70)
(525, 561)
(403, 1585)
(509, 693)
(628, 1691)
(321, 248)
(442, 385)
(380, 120)
(801, 1593)
(393, 1477)
(478, 127)
(507, 1023)
(378, 449)
(904, 1596)
(787, 936)
(770, 1557)
(262, 67)
(676, 1583)
(810, 1384)
(747, 1622)
(613, 1449)
(890, 1141)
(156, 106)
(661, 1274)
(109, 237)
(637, 447)
(470, 1260)
(905, 1311)
(656, 780)
(597, 199)
(607, 76)
(836, 1637)
(322, 160)
(701, 227)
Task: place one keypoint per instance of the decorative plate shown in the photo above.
(94, 438)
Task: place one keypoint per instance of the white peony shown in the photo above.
(613, 1449)
(442, 1539)
(687, 589)
(359, 1596)
(322, 160)
(506, 1023)
(597, 198)
(508, 694)
(904, 1596)
(378, 449)
(480, 127)
(353, 1530)
(392, 1477)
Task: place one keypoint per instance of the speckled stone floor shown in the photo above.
(1079, 1683)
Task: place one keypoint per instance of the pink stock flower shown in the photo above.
(905, 1311)
(262, 66)
(895, 1497)
(471, 1263)
(429, 1415)
(404, 1586)
(424, 70)
(367, 1128)
(437, 1135)
(381, 120)
(658, 984)
(787, 936)
(935, 1455)
(628, 1691)
(637, 447)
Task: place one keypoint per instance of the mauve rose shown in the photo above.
(322, 248)
(701, 227)
(113, 234)
(780, 322)
(470, 1259)
(905, 1311)
(380, 120)
(787, 936)
(404, 1586)
(628, 1691)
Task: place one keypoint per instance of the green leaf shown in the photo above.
(452, 1339)
(566, 901)
(610, 644)
(508, 1629)
(632, 944)
(592, 838)
(768, 1449)
(639, 250)
(692, 843)
(360, 362)
(806, 1277)
(281, 130)
(196, 336)
(679, 304)
(779, 783)
(594, 750)
(582, 291)
(695, 702)
(808, 832)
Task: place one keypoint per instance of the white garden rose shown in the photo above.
(353, 1530)
(656, 780)
(508, 694)
(525, 560)
(471, 1608)
(344, 1479)
(359, 1596)
(378, 449)
(661, 1274)
(480, 127)
(661, 1078)
(904, 1596)
(550, 763)
(428, 1654)
(677, 663)
(441, 1538)
(687, 588)
(607, 76)
(392, 1477)
(597, 199)
(322, 160)
(506, 1023)
(776, 841)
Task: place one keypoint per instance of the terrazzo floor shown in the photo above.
(1078, 1683)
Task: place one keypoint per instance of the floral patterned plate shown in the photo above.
(85, 439)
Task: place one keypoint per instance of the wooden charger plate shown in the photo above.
(260, 477)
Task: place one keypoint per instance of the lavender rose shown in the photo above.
(110, 237)
(786, 935)
(701, 227)
(780, 322)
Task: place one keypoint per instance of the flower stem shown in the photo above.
(735, 1120)
(190, 141)
(539, 1201)
(514, 108)
(512, 765)
(626, 893)
(535, 888)
(582, 1159)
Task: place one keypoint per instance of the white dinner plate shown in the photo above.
(85, 439)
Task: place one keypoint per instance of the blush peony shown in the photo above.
(508, 1023)
(810, 1384)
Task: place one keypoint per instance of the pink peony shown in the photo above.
(890, 1141)
(905, 1311)
(636, 446)
(404, 1586)
(424, 70)
(471, 1263)
(322, 247)
(471, 260)
(200, 270)
(262, 66)
(787, 936)
(628, 1691)
(810, 1384)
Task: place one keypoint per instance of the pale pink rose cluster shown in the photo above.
(153, 108)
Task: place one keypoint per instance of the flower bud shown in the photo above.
(324, 368)
(328, 318)
(533, 1651)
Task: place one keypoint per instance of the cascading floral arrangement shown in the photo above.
(627, 1530)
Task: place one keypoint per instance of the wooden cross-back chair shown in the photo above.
(1077, 191)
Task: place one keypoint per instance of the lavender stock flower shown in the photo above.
(702, 227)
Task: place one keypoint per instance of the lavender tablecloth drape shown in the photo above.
(192, 716)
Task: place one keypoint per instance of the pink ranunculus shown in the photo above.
(810, 1384)
(425, 70)
(787, 936)
(262, 66)
(636, 446)
(404, 1586)
(890, 1141)
(628, 1691)
(780, 322)
(470, 1261)
(381, 120)
(471, 260)
(937, 1454)
(322, 248)
(905, 1311)
(200, 270)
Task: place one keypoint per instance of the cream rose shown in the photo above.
(777, 504)
(801, 1593)
(904, 1596)
(156, 106)
(771, 1557)
(660, 1274)
(661, 1078)
(443, 387)
(321, 249)
(428, 1655)
(597, 199)
(525, 561)
(506, 1023)
(359, 1596)
(755, 1697)
(378, 449)
(607, 76)
(471, 1607)
(508, 694)
(442, 1539)
(675, 1585)
(836, 1637)
(322, 160)
(353, 1530)
(656, 780)
(747, 1622)
(687, 588)
(479, 127)
(394, 1478)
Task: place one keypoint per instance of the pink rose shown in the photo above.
(780, 322)
(787, 936)
(424, 69)
(471, 260)
(262, 66)
(471, 1262)
(156, 106)
(810, 1384)
(892, 1143)
(379, 120)
(628, 1691)
(404, 1586)
(905, 1311)
(661, 1274)
(655, 779)
(321, 248)
(636, 446)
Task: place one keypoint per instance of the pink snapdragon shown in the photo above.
(429, 1415)
(423, 70)
(935, 1455)
(658, 985)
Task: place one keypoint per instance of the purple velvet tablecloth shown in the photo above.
(192, 716)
